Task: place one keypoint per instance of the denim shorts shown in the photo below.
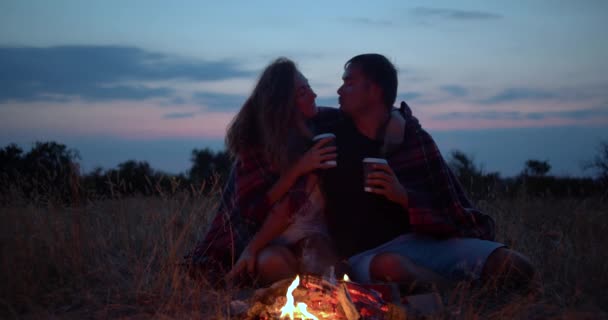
(455, 259)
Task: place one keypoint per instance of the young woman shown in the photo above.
(275, 208)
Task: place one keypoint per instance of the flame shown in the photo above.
(346, 278)
(289, 308)
(302, 306)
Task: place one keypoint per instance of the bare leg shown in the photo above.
(397, 268)
(274, 263)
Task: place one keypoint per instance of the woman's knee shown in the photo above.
(275, 263)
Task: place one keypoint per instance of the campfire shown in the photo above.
(312, 297)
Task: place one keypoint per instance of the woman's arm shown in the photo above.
(256, 194)
(313, 159)
(285, 182)
(275, 223)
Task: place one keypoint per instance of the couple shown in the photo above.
(288, 208)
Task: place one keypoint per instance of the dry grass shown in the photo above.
(120, 258)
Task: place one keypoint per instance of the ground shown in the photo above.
(121, 257)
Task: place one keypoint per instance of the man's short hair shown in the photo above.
(380, 71)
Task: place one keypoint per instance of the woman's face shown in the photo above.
(305, 97)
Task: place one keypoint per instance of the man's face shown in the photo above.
(354, 92)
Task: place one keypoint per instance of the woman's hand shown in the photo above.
(317, 157)
(382, 180)
(246, 262)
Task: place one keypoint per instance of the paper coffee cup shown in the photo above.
(323, 136)
(331, 143)
(367, 168)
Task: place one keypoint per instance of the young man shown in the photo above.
(408, 220)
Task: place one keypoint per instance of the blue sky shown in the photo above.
(152, 80)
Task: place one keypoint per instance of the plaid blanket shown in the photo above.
(438, 205)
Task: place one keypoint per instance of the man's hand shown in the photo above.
(382, 180)
(316, 157)
(246, 262)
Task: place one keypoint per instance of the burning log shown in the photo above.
(350, 311)
(316, 298)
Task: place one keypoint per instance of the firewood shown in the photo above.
(396, 312)
(269, 295)
(347, 303)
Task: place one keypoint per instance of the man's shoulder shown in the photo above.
(407, 138)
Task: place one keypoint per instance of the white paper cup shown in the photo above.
(329, 144)
(367, 168)
(323, 136)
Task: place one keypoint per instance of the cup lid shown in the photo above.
(323, 136)
(375, 160)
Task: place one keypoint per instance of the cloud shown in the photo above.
(407, 96)
(455, 90)
(219, 101)
(582, 114)
(98, 72)
(535, 115)
(454, 14)
(178, 101)
(367, 22)
(518, 94)
(123, 93)
(485, 115)
(178, 115)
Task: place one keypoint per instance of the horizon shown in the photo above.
(152, 81)
(177, 157)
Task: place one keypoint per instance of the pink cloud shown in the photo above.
(120, 119)
(473, 124)
(463, 116)
(147, 120)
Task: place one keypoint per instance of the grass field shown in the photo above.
(119, 258)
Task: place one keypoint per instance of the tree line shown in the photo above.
(533, 180)
(50, 172)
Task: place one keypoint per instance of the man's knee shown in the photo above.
(509, 265)
(390, 267)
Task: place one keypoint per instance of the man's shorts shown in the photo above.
(455, 259)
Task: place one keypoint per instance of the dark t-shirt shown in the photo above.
(358, 220)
